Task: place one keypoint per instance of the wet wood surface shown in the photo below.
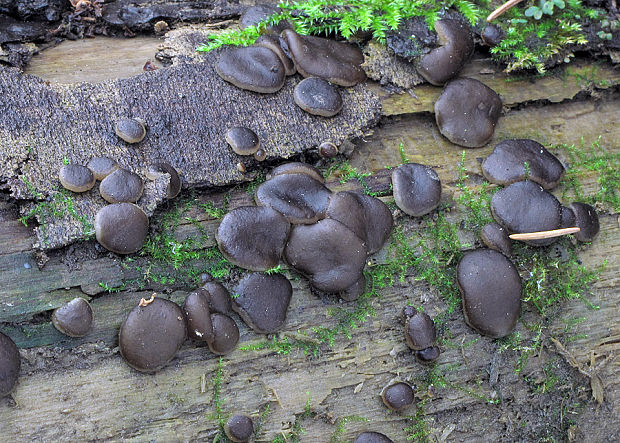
(80, 389)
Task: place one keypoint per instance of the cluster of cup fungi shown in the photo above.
(322, 235)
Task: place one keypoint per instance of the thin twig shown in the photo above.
(544, 234)
(503, 8)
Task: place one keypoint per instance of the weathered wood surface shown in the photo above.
(80, 389)
(188, 109)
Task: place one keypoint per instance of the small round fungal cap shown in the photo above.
(420, 331)
(260, 155)
(76, 178)
(101, 167)
(253, 68)
(159, 168)
(131, 130)
(74, 319)
(239, 428)
(121, 186)
(496, 237)
(330, 269)
(337, 62)
(9, 364)
(262, 301)
(587, 220)
(225, 334)
(446, 61)
(243, 141)
(397, 396)
(506, 164)
(467, 112)
(492, 35)
(298, 197)
(416, 188)
(253, 237)
(151, 335)
(428, 355)
(328, 150)
(217, 297)
(526, 207)
(121, 227)
(491, 288)
(372, 437)
(198, 315)
(272, 42)
(297, 168)
(317, 97)
(368, 217)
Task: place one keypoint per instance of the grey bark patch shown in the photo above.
(187, 110)
(382, 65)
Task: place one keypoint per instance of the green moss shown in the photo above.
(594, 161)
(341, 427)
(59, 204)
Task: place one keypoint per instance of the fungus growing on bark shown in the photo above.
(397, 396)
(121, 186)
(254, 68)
(491, 289)
(318, 97)
(467, 112)
(239, 428)
(76, 178)
(101, 167)
(151, 335)
(243, 141)
(132, 130)
(262, 301)
(198, 315)
(416, 189)
(121, 227)
(496, 237)
(298, 197)
(74, 319)
(253, 237)
(586, 220)
(445, 62)
(225, 334)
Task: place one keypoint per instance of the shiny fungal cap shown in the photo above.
(101, 167)
(239, 428)
(131, 130)
(121, 227)
(397, 396)
(74, 319)
(121, 186)
(76, 178)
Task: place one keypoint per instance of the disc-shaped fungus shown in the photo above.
(239, 428)
(9, 364)
(76, 178)
(368, 217)
(519, 159)
(416, 188)
(496, 237)
(132, 130)
(101, 167)
(74, 319)
(152, 334)
(372, 437)
(587, 220)
(299, 197)
(397, 396)
(467, 112)
(253, 237)
(121, 186)
(330, 269)
(296, 168)
(254, 68)
(446, 61)
(121, 227)
(272, 42)
(198, 315)
(318, 97)
(337, 62)
(262, 301)
(225, 334)
(217, 297)
(243, 141)
(526, 207)
(491, 289)
(420, 332)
